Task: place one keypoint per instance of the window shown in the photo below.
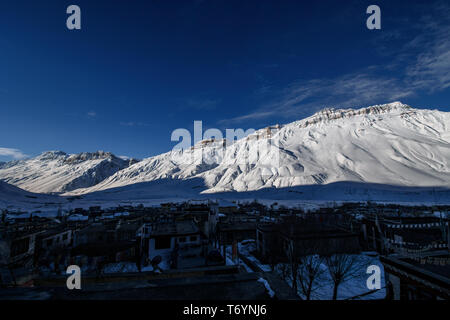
(162, 242)
(193, 238)
(65, 236)
(49, 242)
(182, 239)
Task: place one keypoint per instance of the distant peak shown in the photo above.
(83, 156)
(130, 160)
(91, 156)
(48, 155)
(379, 108)
(211, 141)
(328, 114)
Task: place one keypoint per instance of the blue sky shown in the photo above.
(137, 70)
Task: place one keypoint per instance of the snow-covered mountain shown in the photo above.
(56, 171)
(390, 144)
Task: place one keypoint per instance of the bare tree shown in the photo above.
(294, 261)
(309, 272)
(5, 261)
(274, 257)
(342, 267)
(273, 262)
(284, 270)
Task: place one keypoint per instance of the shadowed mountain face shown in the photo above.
(339, 191)
(12, 196)
(163, 190)
(391, 144)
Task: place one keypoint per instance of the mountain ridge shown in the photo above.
(57, 171)
(388, 144)
(392, 144)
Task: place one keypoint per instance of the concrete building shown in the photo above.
(57, 238)
(178, 243)
(308, 235)
(17, 250)
(424, 276)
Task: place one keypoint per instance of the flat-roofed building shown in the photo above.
(178, 243)
(424, 276)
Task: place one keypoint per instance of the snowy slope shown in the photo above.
(14, 197)
(56, 171)
(391, 144)
(167, 190)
